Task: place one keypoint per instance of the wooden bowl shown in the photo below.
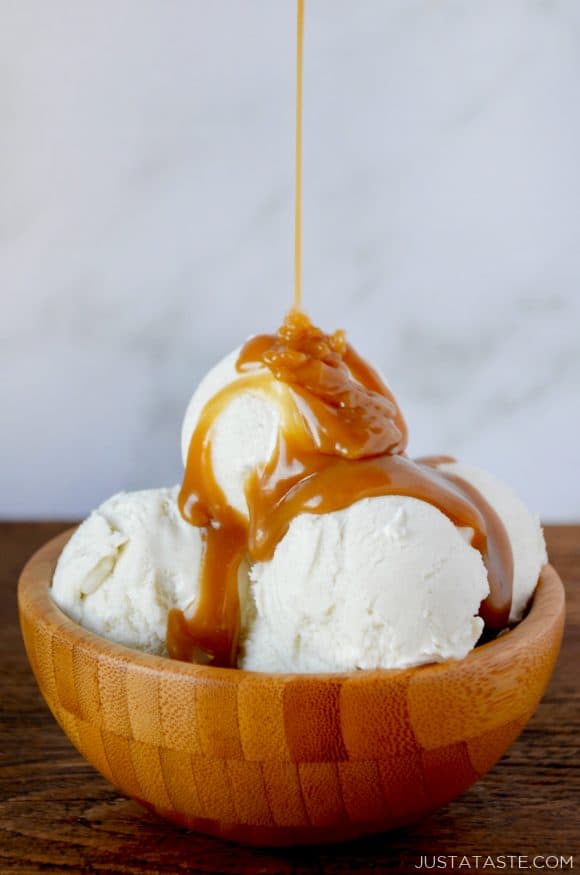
(270, 759)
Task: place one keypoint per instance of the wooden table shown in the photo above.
(58, 815)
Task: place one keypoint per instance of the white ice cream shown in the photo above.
(387, 582)
(523, 529)
(127, 566)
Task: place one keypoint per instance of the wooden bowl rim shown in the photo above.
(543, 620)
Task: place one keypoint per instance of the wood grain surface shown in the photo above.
(57, 814)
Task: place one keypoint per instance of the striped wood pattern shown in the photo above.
(286, 759)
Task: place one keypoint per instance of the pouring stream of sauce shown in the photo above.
(342, 438)
(298, 160)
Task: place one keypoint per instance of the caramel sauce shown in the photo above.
(345, 407)
(298, 159)
(341, 438)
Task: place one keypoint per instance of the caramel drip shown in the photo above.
(327, 484)
(211, 634)
(342, 438)
(298, 160)
(346, 408)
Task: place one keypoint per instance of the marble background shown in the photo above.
(146, 185)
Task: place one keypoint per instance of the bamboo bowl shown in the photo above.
(286, 759)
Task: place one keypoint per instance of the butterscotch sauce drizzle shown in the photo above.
(342, 438)
(298, 159)
(346, 407)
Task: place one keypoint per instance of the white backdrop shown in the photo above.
(146, 151)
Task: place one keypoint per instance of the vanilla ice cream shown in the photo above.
(387, 582)
(127, 565)
(523, 529)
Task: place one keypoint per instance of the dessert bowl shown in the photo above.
(269, 759)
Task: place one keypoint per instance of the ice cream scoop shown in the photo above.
(523, 529)
(388, 582)
(129, 564)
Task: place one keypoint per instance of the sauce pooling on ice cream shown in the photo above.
(342, 438)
